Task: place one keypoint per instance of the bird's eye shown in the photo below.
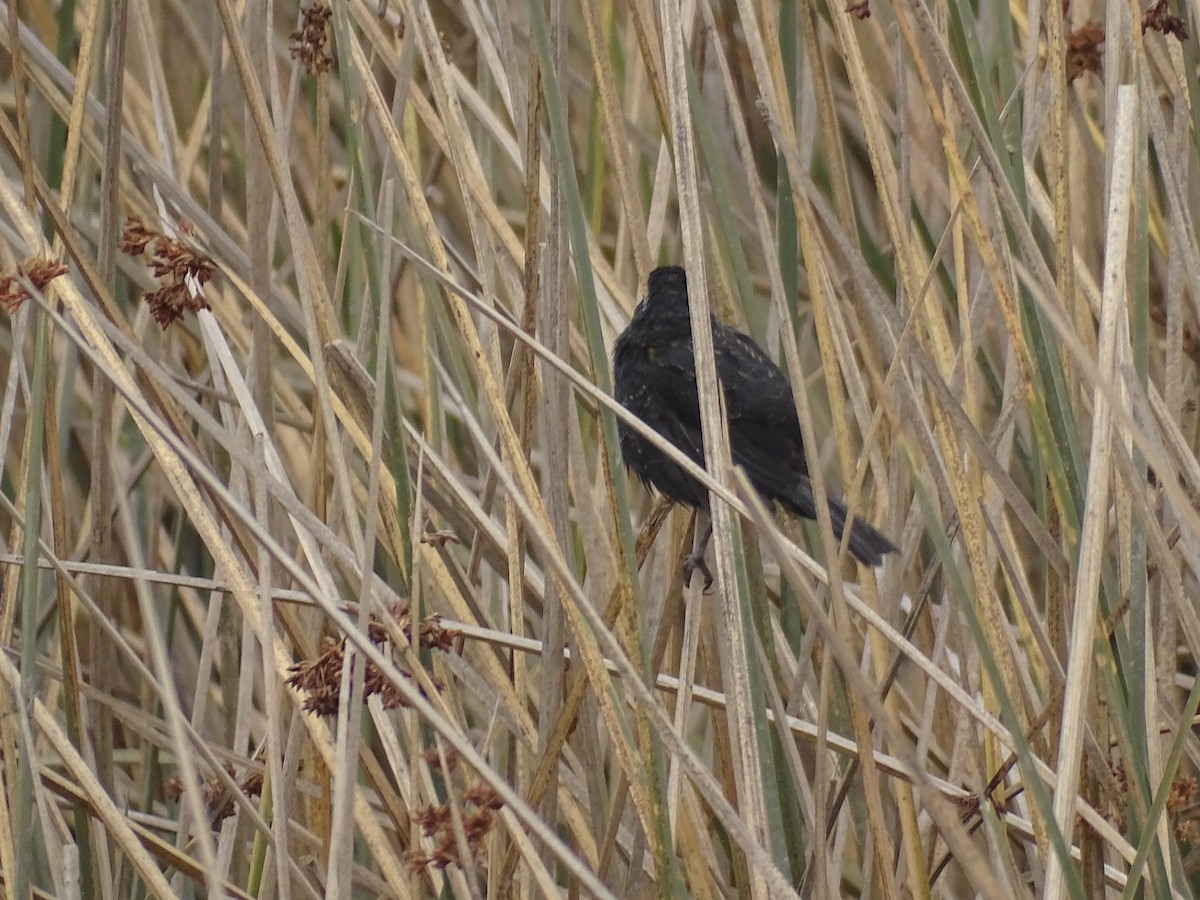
(650, 354)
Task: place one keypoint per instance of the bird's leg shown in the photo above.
(695, 559)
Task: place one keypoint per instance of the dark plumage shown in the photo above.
(654, 371)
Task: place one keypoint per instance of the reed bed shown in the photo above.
(321, 572)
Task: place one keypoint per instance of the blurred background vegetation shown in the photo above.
(321, 575)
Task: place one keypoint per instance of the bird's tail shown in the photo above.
(866, 544)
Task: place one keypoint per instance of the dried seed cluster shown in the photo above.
(310, 41)
(183, 269)
(1159, 18)
(1083, 50)
(321, 678)
(1181, 806)
(39, 271)
(217, 800)
(479, 804)
(1083, 44)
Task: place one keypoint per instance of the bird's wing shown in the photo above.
(653, 379)
(764, 431)
(675, 374)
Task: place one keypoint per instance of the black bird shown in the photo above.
(654, 370)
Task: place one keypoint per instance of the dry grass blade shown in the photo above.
(321, 574)
(1112, 334)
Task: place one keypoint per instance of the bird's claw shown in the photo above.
(691, 563)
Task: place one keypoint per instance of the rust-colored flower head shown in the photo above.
(1159, 18)
(310, 42)
(321, 678)
(1083, 50)
(184, 271)
(38, 271)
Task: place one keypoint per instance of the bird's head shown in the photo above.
(667, 280)
(666, 302)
